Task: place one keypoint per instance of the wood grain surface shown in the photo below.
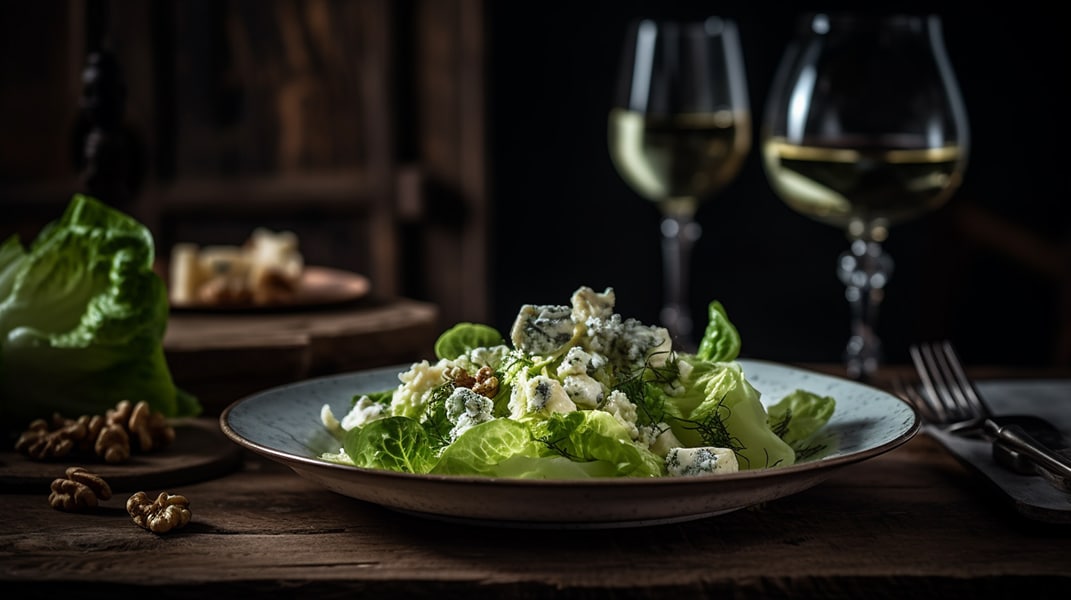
(911, 523)
(200, 451)
(222, 356)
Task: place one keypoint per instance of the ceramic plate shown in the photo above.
(319, 286)
(283, 424)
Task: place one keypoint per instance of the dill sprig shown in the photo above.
(806, 452)
(712, 429)
(434, 420)
(780, 427)
(637, 386)
(556, 446)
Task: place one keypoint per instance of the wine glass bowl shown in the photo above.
(864, 129)
(678, 132)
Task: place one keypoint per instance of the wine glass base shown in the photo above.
(862, 358)
(679, 325)
(862, 370)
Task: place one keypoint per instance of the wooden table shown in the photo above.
(222, 356)
(912, 523)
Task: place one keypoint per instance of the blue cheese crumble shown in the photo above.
(363, 411)
(704, 460)
(588, 304)
(630, 343)
(584, 390)
(466, 409)
(538, 394)
(542, 330)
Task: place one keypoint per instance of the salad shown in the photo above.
(577, 391)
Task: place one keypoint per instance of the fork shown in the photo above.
(953, 403)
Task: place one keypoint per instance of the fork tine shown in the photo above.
(971, 400)
(909, 394)
(946, 384)
(945, 381)
(922, 356)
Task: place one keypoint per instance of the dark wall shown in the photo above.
(564, 218)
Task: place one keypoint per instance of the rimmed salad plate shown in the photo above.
(283, 424)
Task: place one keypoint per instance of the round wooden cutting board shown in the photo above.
(200, 451)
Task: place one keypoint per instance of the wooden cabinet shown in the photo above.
(358, 124)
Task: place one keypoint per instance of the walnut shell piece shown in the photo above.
(45, 441)
(113, 444)
(165, 513)
(126, 428)
(460, 377)
(486, 384)
(79, 490)
(149, 428)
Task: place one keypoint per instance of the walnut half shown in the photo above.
(165, 513)
(44, 440)
(113, 436)
(80, 490)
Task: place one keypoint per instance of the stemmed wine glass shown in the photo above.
(865, 128)
(679, 130)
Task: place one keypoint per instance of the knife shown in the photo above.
(1015, 440)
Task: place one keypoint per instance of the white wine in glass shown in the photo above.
(865, 128)
(679, 131)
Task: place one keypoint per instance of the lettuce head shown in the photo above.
(82, 319)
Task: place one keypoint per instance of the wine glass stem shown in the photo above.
(864, 269)
(679, 234)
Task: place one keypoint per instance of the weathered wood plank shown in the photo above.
(910, 522)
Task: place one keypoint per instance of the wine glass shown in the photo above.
(865, 128)
(679, 130)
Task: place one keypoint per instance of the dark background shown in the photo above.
(564, 218)
(524, 160)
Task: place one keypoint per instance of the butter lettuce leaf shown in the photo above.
(82, 320)
(393, 443)
(595, 435)
(464, 337)
(483, 449)
(721, 340)
(799, 415)
(721, 408)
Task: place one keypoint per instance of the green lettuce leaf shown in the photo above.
(484, 447)
(721, 340)
(595, 435)
(82, 320)
(799, 415)
(393, 443)
(464, 337)
(721, 408)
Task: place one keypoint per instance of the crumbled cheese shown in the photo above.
(628, 342)
(588, 304)
(658, 438)
(542, 330)
(704, 460)
(576, 362)
(547, 394)
(412, 396)
(618, 405)
(583, 390)
(493, 357)
(466, 409)
(327, 417)
(363, 411)
(266, 269)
